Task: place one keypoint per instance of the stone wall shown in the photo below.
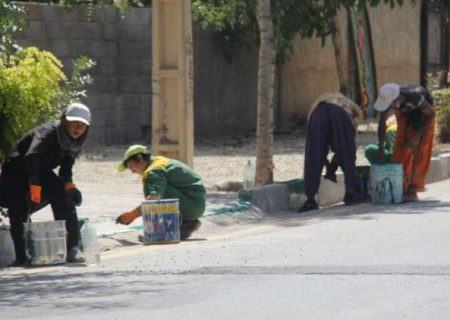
(120, 97)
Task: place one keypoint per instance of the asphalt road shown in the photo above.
(360, 262)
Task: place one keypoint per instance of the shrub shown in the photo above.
(442, 101)
(29, 86)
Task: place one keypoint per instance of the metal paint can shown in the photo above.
(161, 221)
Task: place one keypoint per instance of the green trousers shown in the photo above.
(192, 203)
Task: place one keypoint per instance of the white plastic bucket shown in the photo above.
(45, 242)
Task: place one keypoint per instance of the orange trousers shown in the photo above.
(416, 163)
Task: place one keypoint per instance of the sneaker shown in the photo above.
(410, 197)
(188, 227)
(74, 255)
(309, 205)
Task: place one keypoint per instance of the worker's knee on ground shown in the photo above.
(192, 209)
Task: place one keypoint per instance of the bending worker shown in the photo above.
(332, 124)
(165, 178)
(28, 183)
(415, 113)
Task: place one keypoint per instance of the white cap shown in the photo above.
(388, 93)
(77, 112)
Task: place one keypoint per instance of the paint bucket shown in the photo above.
(161, 219)
(45, 242)
(386, 183)
(361, 189)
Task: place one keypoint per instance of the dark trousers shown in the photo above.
(15, 190)
(329, 126)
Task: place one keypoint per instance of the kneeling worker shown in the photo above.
(165, 178)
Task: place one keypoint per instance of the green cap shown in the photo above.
(131, 151)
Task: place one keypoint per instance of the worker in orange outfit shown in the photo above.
(415, 113)
(28, 182)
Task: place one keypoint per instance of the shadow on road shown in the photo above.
(91, 290)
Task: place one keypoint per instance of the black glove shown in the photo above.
(73, 196)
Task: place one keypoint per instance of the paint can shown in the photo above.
(386, 183)
(45, 242)
(161, 219)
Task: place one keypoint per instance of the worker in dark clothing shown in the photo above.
(165, 178)
(28, 183)
(332, 124)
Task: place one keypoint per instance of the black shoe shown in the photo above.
(309, 205)
(349, 199)
(331, 176)
(18, 264)
(74, 255)
(188, 227)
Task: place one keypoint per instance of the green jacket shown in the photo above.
(164, 173)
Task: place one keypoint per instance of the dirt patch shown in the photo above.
(216, 160)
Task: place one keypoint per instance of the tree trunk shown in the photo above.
(266, 77)
(337, 42)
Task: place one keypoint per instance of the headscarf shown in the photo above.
(338, 99)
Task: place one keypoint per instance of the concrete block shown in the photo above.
(35, 30)
(7, 253)
(54, 30)
(269, 198)
(53, 13)
(109, 32)
(129, 67)
(106, 14)
(438, 170)
(445, 158)
(135, 85)
(134, 32)
(106, 67)
(146, 67)
(83, 30)
(136, 16)
(103, 84)
(60, 48)
(33, 11)
(134, 50)
(145, 115)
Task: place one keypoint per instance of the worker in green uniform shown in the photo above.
(165, 178)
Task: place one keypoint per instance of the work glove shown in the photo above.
(73, 195)
(128, 217)
(35, 194)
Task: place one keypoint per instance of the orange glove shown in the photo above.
(128, 217)
(69, 185)
(35, 193)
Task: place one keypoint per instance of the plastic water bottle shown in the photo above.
(249, 175)
(90, 244)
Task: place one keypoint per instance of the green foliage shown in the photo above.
(73, 89)
(436, 85)
(10, 22)
(29, 86)
(441, 95)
